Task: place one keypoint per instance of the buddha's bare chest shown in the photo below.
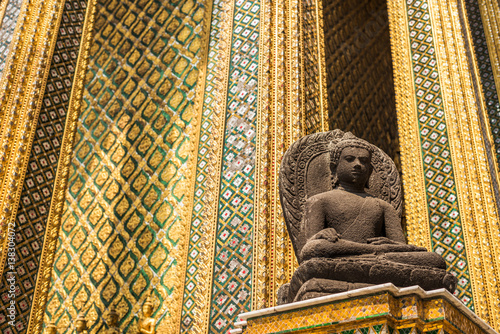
(353, 213)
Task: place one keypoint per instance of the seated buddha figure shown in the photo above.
(349, 238)
(147, 324)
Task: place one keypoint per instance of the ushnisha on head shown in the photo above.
(350, 163)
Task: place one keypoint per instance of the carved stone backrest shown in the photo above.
(305, 172)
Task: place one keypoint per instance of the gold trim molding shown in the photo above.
(209, 224)
(417, 217)
(21, 93)
(177, 304)
(313, 91)
(322, 65)
(56, 208)
(490, 15)
(476, 77)
(279, 125)
(260, 272)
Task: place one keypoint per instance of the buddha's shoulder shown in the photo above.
(331, 196)
(384, 204)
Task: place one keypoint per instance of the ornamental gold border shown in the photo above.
(294, 121)
(280, 124)
(322, 66)
(294, 117)
(209, 225)
(473, 179)
(260, 256)
(476, 75)
(61, 179)
(278, 119)
(175, 303)
(417, 216)
(319, 51)
(21, 92)
(490, 15)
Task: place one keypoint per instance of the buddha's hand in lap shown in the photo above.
(382, 241)
(327, 234)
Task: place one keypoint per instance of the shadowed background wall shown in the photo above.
(359, 73)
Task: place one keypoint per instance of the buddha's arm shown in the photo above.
(150, 328)
(392, 222)
(342, 247)
(314, 219)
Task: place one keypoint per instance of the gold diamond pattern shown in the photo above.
(122, 221)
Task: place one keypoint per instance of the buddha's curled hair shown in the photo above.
(348, 140)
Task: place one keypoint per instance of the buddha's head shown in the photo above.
(350, 163)
(81, 323)
(51, 328)
(113, 317)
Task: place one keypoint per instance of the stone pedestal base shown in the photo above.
(381, 309)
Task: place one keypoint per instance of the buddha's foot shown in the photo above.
(318, 287)
(320, 276)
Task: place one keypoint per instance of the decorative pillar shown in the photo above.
(449, 183)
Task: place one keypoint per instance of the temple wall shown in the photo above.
(129, 197)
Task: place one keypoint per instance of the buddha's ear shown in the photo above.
(367, 185)
(335, 180)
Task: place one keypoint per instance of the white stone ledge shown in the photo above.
(388, 287)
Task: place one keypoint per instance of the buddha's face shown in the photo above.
(354, 166)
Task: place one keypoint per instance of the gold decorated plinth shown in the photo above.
(382, 309)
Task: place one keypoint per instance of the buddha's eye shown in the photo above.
(349, 158)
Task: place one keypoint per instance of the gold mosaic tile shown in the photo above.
(455, 317)
(334, 313)
(433, 309)
(408, 306)
(383, 313)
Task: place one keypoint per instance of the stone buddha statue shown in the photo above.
(147, 324)
(342, 202)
